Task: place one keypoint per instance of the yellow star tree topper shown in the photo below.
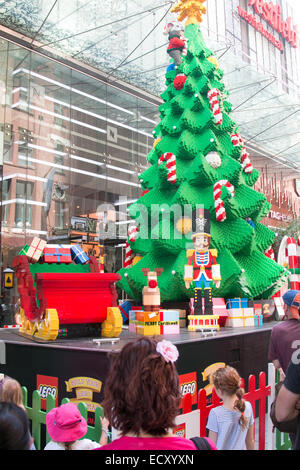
(193, 10)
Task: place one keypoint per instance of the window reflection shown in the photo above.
(71, 144)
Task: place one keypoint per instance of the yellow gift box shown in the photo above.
(147, 323)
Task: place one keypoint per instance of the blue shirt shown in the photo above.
(231, 435)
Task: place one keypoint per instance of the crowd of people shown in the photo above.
(142, 399)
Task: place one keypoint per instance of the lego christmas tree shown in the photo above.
(199, 159)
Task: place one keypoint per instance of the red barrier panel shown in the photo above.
(253, 395)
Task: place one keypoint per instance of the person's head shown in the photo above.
(10, 391)
(291, 301)
(66, 424)
(227, 383)
(14, 428)
(142, 393)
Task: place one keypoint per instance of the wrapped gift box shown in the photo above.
(78, 255)
(169, 322)
(257, 308)
(132, 322)
(57, 254)
(163, 322)
(237, 303)
(219, 308)
(266, 307)
(144, 323)
(24, 250)
(125, 308)
(240, 317)
(35, 250)
(258, 320)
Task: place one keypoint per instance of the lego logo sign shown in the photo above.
(188, 384)
(47, 386)
(188, 388)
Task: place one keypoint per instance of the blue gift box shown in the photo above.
(237, 303)
(258, 320)
(78, 255)
(125, 308)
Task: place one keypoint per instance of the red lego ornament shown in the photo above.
(179, 81)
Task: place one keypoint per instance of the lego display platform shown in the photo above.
(77, 368)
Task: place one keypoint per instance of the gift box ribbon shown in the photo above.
(58, 254)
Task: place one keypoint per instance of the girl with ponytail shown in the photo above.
(231, 424)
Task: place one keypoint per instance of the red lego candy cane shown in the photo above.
(170, 159)
(294, 262)
(237, 141)
(215, 105)
(219, 205)
(128, 256)
(133, 232)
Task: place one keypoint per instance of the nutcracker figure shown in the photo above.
(202, 267)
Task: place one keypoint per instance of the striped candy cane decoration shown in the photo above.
(215, 105)
(128, 256)
(294, 263)
(219, 206)
(237, 141)
(170, 159)
(133, 233)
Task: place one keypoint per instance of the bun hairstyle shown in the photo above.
(142, 392)
(227, 380)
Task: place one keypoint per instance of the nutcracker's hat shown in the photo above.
(200, 222)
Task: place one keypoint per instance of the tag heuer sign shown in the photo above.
(297, 187)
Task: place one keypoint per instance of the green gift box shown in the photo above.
(24, 250)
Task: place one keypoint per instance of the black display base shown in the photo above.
(25, 359)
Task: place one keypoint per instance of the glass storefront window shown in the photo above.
(71, 145)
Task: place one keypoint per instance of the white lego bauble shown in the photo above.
(213, 159)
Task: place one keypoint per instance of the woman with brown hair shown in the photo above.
(142, 397)
(231, 424)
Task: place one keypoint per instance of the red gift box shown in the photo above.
(57, 254)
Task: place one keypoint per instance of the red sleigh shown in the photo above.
(55, 298)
